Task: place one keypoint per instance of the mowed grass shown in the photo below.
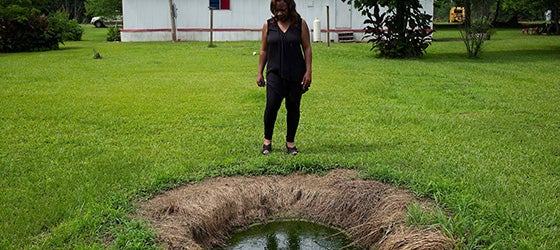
(82, 140)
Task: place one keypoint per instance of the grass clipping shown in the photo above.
(203, 215)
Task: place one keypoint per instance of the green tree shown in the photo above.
(103, 7)
(441, 9)
(402, 31)
(535, 8)
(74, 8)
(505, 11)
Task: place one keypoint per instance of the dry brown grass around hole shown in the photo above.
(202, 216)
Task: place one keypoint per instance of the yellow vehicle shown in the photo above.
(456, 14)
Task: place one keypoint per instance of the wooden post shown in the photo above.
(211, 26)
(173, 17)
(328, 28)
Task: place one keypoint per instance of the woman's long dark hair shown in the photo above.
(293, 15)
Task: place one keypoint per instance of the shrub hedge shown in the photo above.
(24, 29)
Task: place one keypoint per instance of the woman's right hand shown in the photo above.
(260, 80)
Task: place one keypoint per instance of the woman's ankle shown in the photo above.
(267, 142)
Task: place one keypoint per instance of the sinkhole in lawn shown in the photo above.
(289, 234)
(207, 214)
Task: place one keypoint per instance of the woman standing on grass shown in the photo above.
(286, 52)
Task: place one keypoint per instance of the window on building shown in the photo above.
(219, 4)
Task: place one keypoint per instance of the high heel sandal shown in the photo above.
(291, 151)
(266, 149)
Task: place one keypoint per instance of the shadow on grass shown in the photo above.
(548, 54)
(69, 48)
(448, 39)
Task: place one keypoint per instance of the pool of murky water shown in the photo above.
(292, 235)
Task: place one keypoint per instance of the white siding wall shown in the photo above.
(148, 20)
(146, 14)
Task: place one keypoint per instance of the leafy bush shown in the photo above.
(25, 29)
(113, 34)
(73, 32)
(475, 34)
(69, 30)
(401, 31)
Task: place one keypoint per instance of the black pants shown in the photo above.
(278, 89)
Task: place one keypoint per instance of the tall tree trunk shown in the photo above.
(467, 19)
(401, 19)
(556, 18)
(497, 13)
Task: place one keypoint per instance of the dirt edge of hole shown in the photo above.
(203, 215)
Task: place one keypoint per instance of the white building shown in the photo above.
(234, 20)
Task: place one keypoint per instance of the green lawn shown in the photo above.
(81, 140)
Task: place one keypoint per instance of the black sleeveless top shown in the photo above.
(285, 53)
